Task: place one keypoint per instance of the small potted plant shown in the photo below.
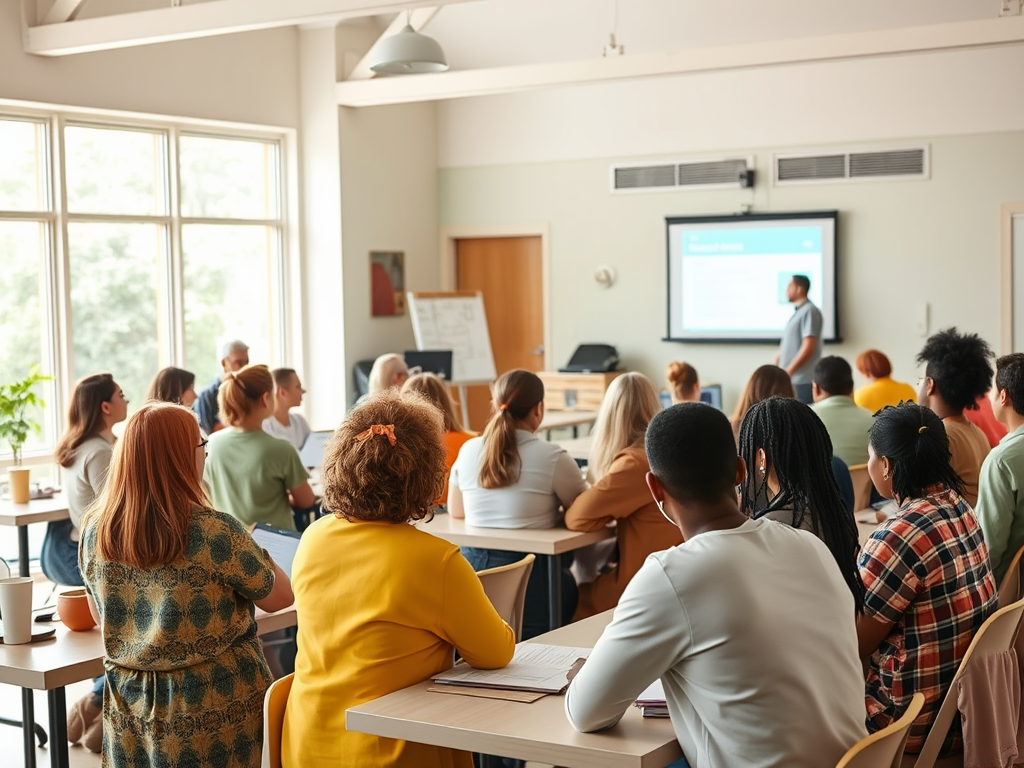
(15, 424)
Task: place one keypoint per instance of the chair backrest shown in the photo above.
(1010, 588)
(861, 486)
(273, 720)
(505, 587)
(5, 569)
(996, 635)
(884, 749)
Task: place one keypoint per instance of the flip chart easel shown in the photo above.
(455, 320)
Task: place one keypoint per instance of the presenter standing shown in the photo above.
(800, 348)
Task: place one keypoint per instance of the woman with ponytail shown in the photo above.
(510, 478)
(251, 475)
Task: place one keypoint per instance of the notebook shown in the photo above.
(281, 545)
(534, 667)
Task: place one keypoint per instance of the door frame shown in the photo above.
(449, 236)
(1007, 212)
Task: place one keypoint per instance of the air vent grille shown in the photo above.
(680, 174)
(904, 164)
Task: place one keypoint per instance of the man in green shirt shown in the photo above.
(846, 422)
(1000, 507)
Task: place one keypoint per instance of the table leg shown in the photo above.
(555, 591)
(575, 431)
(28, 719)
(58, 728)
(23, 550)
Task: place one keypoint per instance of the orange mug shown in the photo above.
(73, 609)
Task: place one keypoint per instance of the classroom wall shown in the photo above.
(901, 244)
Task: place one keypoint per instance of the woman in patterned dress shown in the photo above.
(174, 584)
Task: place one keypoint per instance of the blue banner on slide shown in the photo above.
(760, 240)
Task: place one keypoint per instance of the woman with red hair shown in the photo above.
(881, 390)
(174, 584)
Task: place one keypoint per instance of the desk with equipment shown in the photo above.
(536, 731)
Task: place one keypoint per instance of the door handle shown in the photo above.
(538, 350)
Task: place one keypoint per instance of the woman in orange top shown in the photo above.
(434, 389)
(381, 604)
(618, 468)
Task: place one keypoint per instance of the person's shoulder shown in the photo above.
(456, 438)
(632, 459)
(95, 446)
(300, 419)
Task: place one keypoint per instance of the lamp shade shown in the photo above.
(408, 53)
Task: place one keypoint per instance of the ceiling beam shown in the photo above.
(855, 45)
(63, 10)
(418, 20)
(207, 19)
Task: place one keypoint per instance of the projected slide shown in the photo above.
(728, 279)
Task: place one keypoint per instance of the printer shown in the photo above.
(592, 358)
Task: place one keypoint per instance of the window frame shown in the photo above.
(285, 343)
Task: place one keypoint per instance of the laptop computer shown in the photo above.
(438, 361)
(312, 451)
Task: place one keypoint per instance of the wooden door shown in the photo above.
(509, 273)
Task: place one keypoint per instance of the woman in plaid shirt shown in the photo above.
(929, 585)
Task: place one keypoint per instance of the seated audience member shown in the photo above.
(750, 678)
(173, 385)
(985, 420)
(617, 467)
(847, 423)
(683, 384)
(1000, 507)
(234, 357)
(174, 583)
(790, 479)
(418, 598)
(251, 475)
(881, 390)
(767, 381)
(429, 385)
(928, 583)
(510, 478)
(288, 394)
(388, 371)
(958, 372)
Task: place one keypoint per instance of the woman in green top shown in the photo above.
(252, 475)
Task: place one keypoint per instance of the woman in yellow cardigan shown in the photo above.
(381, 604)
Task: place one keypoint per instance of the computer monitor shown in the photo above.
(712, 395)
(437, 361)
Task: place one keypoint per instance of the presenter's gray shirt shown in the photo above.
(806, 321)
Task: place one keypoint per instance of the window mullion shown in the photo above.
(176, 264)
(65, 370)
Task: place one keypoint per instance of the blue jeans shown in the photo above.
(535, 612)
(59, 556)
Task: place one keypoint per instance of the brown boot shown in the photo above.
(93, 740)
(83, 713)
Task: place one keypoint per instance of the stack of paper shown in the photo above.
(652, 701)
(535, 667)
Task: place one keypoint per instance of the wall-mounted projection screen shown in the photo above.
(727, 275)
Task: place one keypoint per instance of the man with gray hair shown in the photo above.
(234, 356)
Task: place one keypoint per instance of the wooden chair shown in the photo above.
(1010, 588)
(861, 486)
(997, 635)
(884, 749)
(505, 587)
(273, 720)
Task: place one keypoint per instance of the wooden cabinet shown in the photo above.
(575, 391)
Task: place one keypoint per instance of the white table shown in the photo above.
(538, 731)
(578, 447)
(551, 543)
(23, 515)
(71, 657)
(563, 419)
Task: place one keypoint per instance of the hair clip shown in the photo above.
(922, 429)
(388, 430)
(503, 407)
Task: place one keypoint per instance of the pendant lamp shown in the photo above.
(408, 53)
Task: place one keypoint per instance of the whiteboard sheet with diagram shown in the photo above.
(455, 321)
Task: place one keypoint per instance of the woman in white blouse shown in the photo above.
(510, 478)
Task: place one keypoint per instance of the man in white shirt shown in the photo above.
(748, 623)
(288, 394)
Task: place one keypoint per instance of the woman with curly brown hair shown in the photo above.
(381, 604)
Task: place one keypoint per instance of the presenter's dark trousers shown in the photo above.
(804, 393)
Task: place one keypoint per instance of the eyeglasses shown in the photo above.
(203, 442)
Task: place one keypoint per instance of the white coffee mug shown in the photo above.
(16, 609)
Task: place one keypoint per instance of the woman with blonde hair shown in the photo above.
(683, 383)
(430, 386)
(767, 381)
(152, 548)
(618, 469)
(388, 371)
(251, 475)
(409, 598)
(510, 478)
